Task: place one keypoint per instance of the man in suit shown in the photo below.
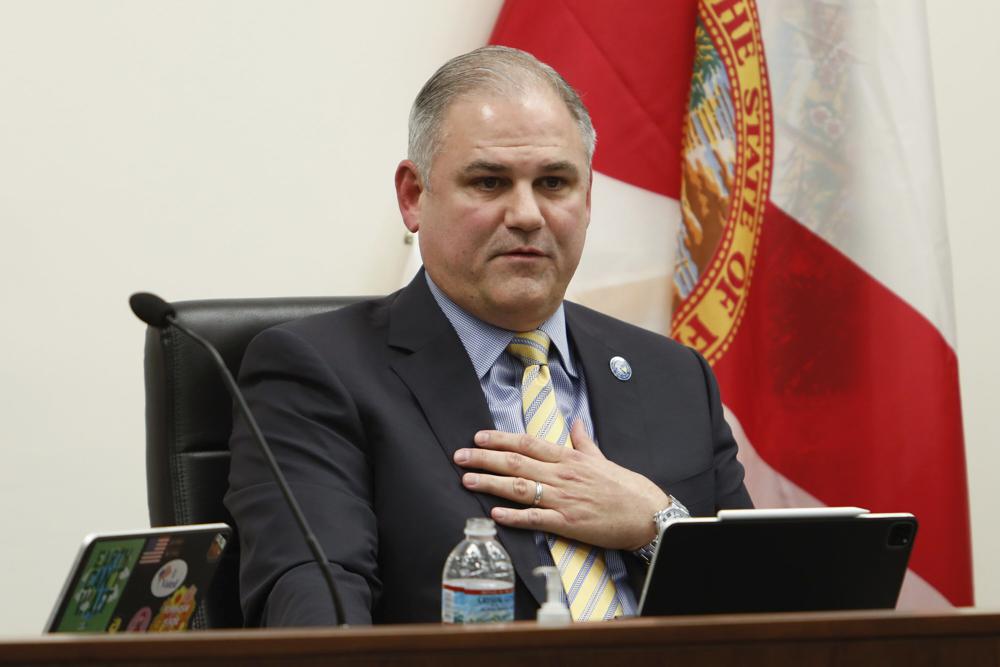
(396, 419)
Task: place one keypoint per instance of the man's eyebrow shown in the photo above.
(497, 168)
(562, 165)
(483, 165)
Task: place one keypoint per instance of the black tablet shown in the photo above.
(811, 559)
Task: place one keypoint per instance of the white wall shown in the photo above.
(964, 53)
(246, 148)
(195, 149)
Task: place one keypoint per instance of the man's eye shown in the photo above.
(552, 182)
(488, 183)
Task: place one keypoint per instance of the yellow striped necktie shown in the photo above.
(589, 589)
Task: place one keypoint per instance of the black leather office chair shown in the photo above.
(189, 417)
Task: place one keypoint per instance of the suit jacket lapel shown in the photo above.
(615, 406)
(441, 377)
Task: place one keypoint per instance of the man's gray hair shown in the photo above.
(495, 69)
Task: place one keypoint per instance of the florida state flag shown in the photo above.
(768, 192)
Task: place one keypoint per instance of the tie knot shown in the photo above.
(531, 348)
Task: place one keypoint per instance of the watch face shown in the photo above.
(666, 517)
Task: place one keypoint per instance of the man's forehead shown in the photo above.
(523, 111)
(489, 132)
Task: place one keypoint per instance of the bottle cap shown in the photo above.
(480, 527)
(554, 611)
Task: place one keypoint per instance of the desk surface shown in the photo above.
(960, 637)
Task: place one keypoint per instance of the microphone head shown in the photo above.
(151, 309)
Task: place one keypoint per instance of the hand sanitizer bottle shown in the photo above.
(554, 611)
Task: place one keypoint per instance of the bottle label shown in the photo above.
(472, 603)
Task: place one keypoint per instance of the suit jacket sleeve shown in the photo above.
(730, 492)
(313, 426)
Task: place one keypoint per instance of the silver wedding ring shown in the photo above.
(538, 494)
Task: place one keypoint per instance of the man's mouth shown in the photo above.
(524, 251)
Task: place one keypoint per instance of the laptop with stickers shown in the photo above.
(142, 581)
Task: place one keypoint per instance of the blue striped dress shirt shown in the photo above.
(500, 377)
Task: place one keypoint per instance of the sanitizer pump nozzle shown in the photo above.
(553, 611)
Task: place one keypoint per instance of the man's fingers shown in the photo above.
(525, 444)
(511, 464)
(518, 489)
(581, 441)
(533, 518)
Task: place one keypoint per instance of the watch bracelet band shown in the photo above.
(672, 512)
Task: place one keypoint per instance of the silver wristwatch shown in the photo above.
(672, 512)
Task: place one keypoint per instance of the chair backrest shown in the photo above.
(189, 418)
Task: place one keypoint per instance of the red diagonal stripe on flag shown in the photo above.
(849, 392)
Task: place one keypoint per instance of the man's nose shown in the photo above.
(523, 211)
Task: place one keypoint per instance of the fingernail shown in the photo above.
(470, 479)
(499, 513)
(461, 456)
(482, 437)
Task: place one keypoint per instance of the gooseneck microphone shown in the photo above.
(159, 314)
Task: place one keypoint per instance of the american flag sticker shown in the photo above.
(153, 553)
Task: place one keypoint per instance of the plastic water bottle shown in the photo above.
(477, 585)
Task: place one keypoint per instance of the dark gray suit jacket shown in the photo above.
(364, 408)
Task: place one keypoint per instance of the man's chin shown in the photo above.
(522, 303)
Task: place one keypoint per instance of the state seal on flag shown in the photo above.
(726, 174)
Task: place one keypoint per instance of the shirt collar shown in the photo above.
(484, 343)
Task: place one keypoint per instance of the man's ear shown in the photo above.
(590, 189)
(409, 188)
